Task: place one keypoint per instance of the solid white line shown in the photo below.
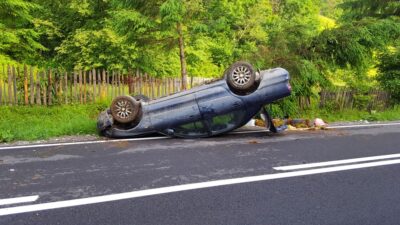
(166, 137)
(185, 187)
(82, 143)
(364, 125)
(336, 162)
(17, 200)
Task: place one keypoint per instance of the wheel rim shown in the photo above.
(123, 109)
(241, 75)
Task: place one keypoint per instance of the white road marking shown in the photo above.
(81, 143)
(10, 201)
(364, 125)
(336, 162)
(166, 137)
(185, 187)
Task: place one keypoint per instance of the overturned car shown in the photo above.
(204, 111)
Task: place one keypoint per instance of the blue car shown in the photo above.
(204, 111)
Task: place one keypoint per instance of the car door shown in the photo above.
(221, 111)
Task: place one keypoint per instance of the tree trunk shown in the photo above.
(182, 56)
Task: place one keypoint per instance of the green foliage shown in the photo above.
(87, 49)
(389, 72)
(18, 36)
(357, 9)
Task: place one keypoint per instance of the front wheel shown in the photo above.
(241, 76)
(124, 109)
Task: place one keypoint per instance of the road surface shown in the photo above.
(338, 176)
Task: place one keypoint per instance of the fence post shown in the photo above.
(74, 92)
(38, 98)
(160, 87)
(80, 86)
(61, 87)
(26, 98)
(152, 87)
(32, 86)
(9, 84)
(90, 85)
(84, 87)
(50, 87)
(130, 82)
(103, 84)
(107, 83)
(66, 87)
(98, 83)
(111, 88)
(94, 84)
(44, 89)
(119, 83)
(140, 82)
(15, 85)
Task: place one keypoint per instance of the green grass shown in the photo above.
(33, 123)
(38, 122)
(352, 115)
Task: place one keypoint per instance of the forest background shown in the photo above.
(324, 44)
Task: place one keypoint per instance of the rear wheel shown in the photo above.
(124, 109)
(241, 76)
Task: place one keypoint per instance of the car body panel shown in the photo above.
(200, 111)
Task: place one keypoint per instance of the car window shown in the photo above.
(191, 129)
(228, 121)
(212, 125)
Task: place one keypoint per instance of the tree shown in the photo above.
(172, 14)
(18, 34)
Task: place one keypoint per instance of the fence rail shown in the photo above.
(23, 85)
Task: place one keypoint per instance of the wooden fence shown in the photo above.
(23, 85)
(348, 99)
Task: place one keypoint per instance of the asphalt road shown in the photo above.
(232, 179)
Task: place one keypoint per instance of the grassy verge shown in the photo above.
(352, 115)
(33, 123)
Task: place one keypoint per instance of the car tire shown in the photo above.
(241, 76)
(124, 109)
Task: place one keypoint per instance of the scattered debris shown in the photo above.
(260, 123)
(251, 123)
(296, 124)
(319, 123)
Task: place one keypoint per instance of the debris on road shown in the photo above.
(296, 124)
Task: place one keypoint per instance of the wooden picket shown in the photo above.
(25, 85)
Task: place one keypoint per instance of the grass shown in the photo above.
(38, 122)
(352, 115)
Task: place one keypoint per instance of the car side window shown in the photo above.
(221, 123)
(197, 128)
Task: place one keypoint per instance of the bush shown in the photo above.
(389, 73)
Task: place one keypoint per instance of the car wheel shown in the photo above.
(124, 109)
(141, 97)
(241, 76)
